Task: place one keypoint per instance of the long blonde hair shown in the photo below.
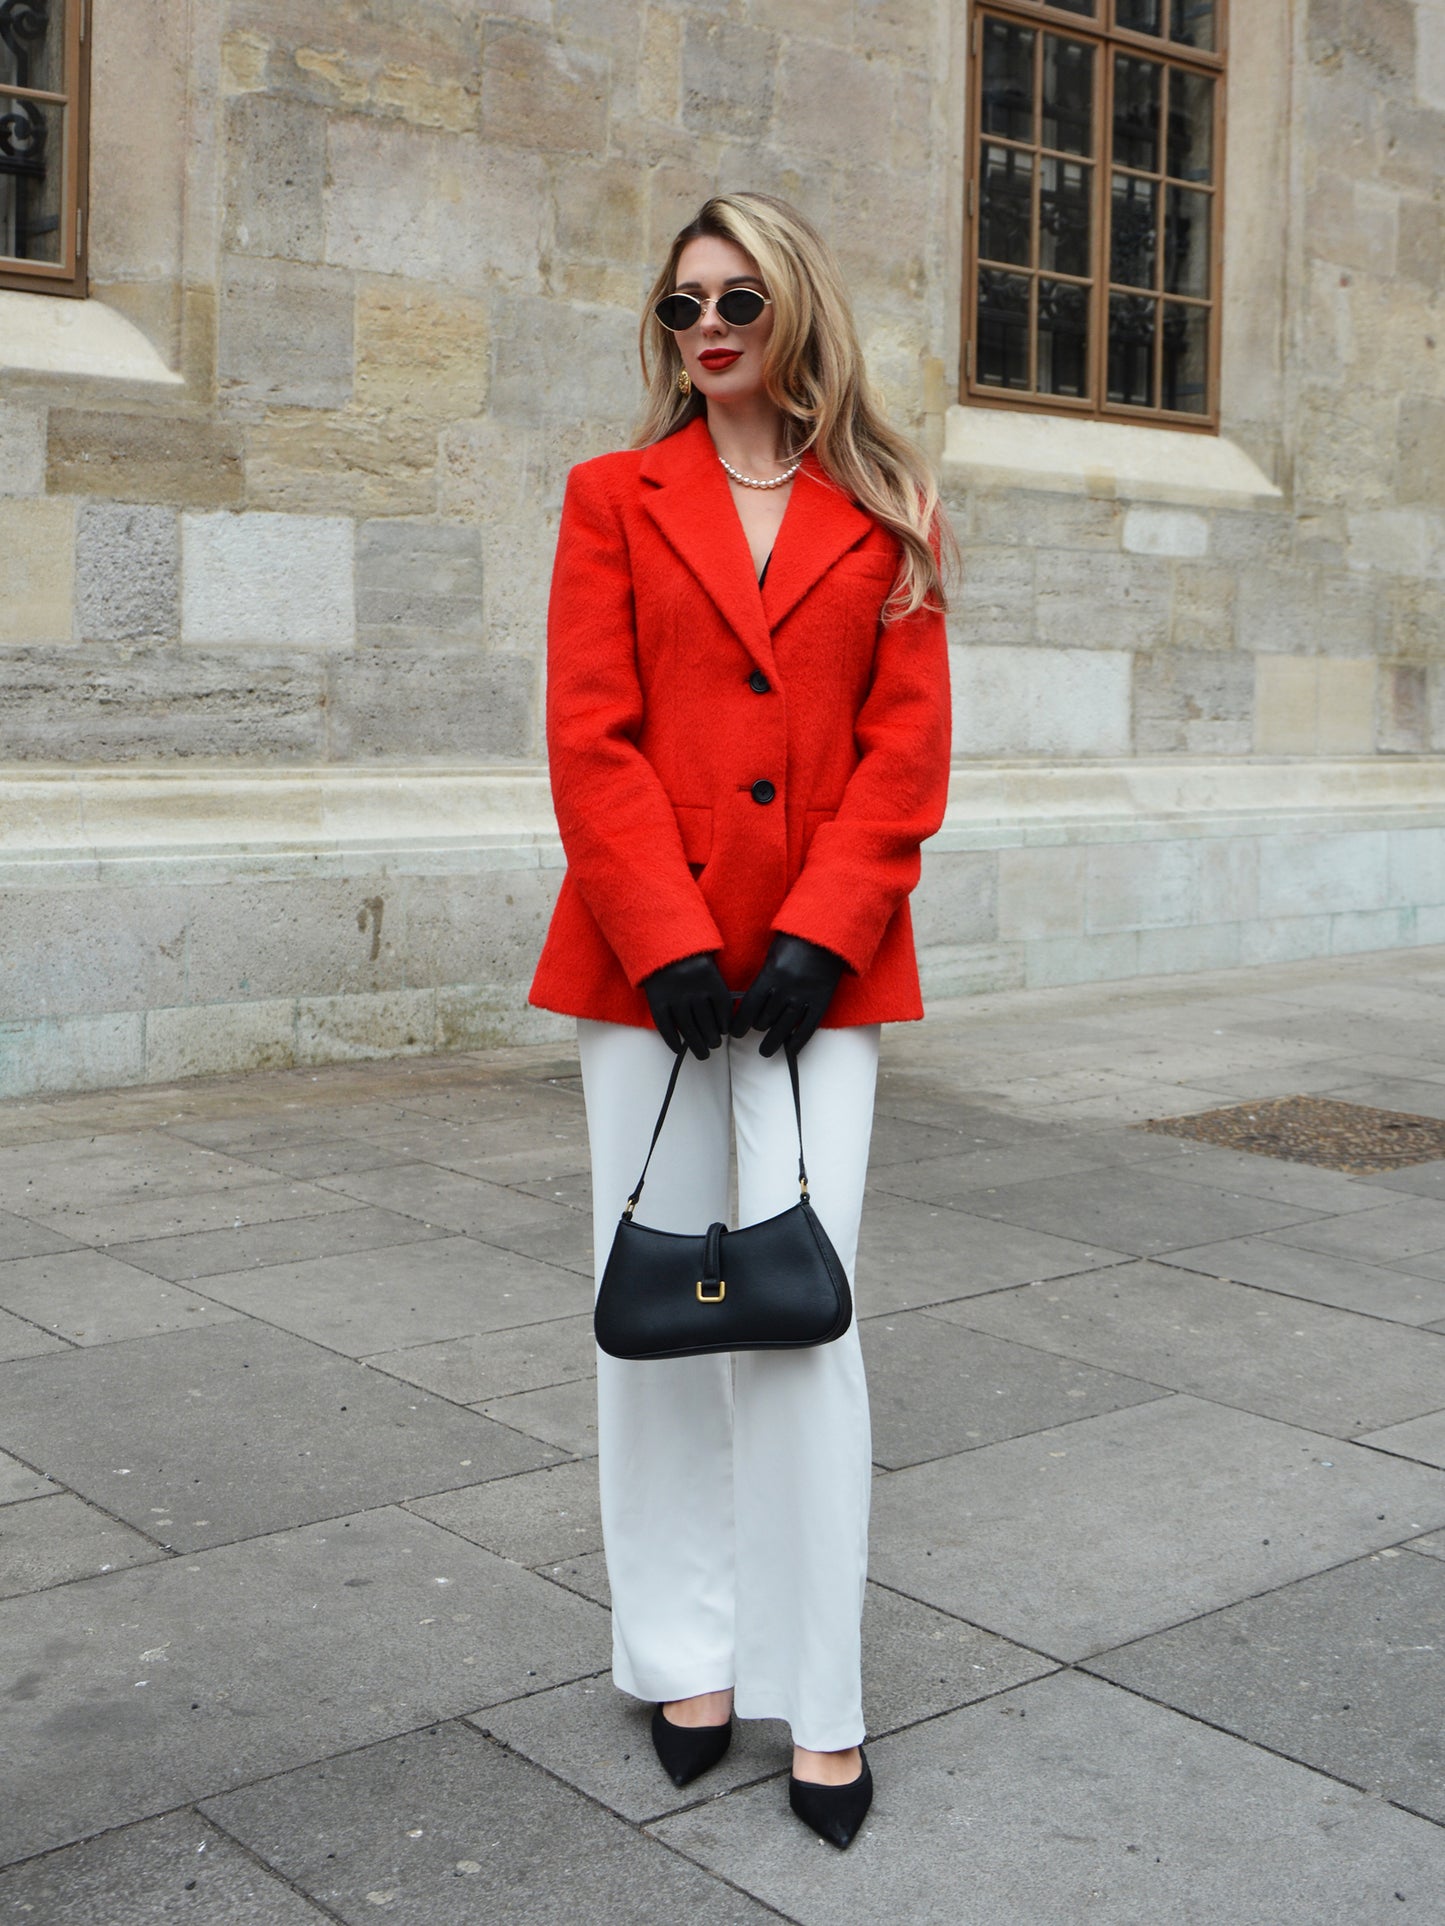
(815, 376)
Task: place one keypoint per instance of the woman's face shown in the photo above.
(726, 363)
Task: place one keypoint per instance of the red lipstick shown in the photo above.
(716, 359)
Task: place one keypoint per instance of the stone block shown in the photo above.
(1403, 720)
(659, 66)
(1346, 724)
(1139, 885)
(144, 458)
(1043, 518)
(356, 462)
(127, 572)
(599, 212)
(1277, 610)
(728, 77)
(1286, 705)
(22, 449)
(37, 570)
(418, 582)
(1309, 875)
(71, 1053)
(1175, 951)
(351, 1029)
(65, 954)
(432, 206)
(1202, 608)
(1420, 475)
(1102, 601)
(1041, 891)
(1040, 702)
(215, 1038)
(1397, 541)
(1200, 703)
(275, 174)
(1228, 879)
(1421, 249)
(563, 361)
(993, 603)
(540, 92)
(1378, 34)
(1417, 867)
(959, 900)
(1165, 531)
(1430, 58)
(269, 579)
(412, 702)
(1356, 930)
(122, 702)
(285, 333)
(420, 351)
(486, 928)
(1349, 614)
(826, 95)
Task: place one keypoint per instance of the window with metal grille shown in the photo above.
(44, 97)
(1096, 139)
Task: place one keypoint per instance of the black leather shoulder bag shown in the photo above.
(777, 1285)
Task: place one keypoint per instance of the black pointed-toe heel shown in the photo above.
(834, 1812)
(687, 1751)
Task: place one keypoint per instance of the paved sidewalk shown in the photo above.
(304, 1611)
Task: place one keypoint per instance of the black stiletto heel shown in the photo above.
(834, 1812)
(687, 1751)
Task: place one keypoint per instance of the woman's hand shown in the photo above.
(690, 1004)
(789, 995)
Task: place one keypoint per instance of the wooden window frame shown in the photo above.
(1107, 38)
(68, 275)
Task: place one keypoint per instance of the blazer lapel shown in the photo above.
(820, 524)
(686, 494)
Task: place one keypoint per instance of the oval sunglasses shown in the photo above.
(739, 307)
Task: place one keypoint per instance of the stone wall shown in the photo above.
(282, 497)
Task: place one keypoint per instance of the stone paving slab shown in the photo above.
(936, 1389)
(150, 1688)
(20, 1339)
(1132, 1210)
(364, 1302)
(1421, 1438)
(445, 1197)
(911, 1254)
(445, 1828)
(57, 1537)
(584, 1573)
(206, 1209)
(1344, 1671)
(178, 1867)
(492, 1364)
(202, 1254)
(1394, 1234)
(534, 1518)
(1249, 1174)
(1342, 1281)
(562, 1415)
(1069, 1800)
(113, 1167)
(200, 1437)
(19, 1237)
(1045, 1540)
(1306, 1364)
(93, 1297)
(18, 1481)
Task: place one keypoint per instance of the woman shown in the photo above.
(748, 727)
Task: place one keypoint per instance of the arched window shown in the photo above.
(1093, 207)
(44, 59)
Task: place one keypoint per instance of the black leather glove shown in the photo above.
(690, 1004)
(790, 994)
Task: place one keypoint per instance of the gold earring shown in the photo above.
(684, 383)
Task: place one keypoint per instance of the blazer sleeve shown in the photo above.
(623, 846)
(864, 863)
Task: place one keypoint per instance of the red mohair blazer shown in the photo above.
(728, 762)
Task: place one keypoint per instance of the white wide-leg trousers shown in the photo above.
(735, 1489)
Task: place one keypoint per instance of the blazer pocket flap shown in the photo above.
(694, 822)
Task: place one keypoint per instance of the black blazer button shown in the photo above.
(759, 683)
(763, 792)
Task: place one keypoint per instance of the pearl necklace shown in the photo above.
(750, 481)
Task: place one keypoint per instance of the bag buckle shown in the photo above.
(707, 1295)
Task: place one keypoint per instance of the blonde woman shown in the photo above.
(748, 727)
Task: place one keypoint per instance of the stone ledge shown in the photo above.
(45, 335)
(128, 824)
(1009, 448)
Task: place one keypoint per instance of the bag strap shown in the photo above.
(631, 1203)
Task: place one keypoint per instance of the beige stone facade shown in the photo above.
(277, 507)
